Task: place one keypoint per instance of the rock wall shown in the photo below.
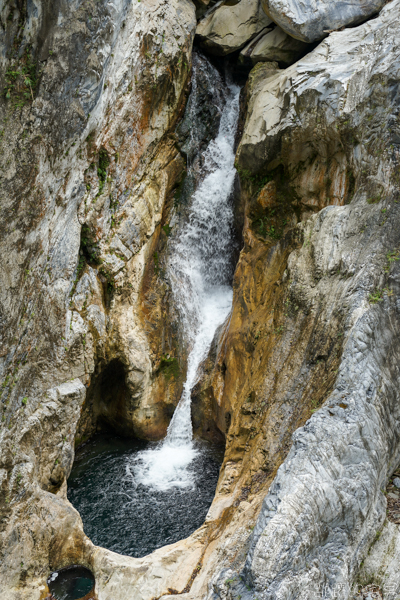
(326, 130)
(301, 381)
(313, 20)
(92, 92)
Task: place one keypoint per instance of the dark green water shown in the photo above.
(131, 518)
(71, 583)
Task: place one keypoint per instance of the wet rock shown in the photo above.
(230, 26)
(274, 45)
(202, 116)
(202, 6)
(312, 20)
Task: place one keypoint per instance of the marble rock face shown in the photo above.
(311, 20)
(275, 45)
(230, 26)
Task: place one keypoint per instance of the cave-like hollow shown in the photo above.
(114, 484)
(107, 404)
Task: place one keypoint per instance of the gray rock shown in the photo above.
(341, 67)
(326, 506)
(381, 564)
(396, 482)
(311, 20)
(274, 45)
(229, 27)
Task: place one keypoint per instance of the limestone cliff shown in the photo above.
(301, 381)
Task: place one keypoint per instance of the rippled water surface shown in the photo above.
(131, 518)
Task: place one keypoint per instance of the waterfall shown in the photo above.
(199, 271)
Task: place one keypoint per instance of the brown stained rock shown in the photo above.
(267, 196)
(108, 85)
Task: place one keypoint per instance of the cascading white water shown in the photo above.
(199, 273)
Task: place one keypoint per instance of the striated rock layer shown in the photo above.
(311, 20)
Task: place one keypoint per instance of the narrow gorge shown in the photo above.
(199, 300)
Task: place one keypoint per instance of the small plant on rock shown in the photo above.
(391, 257)
(104, 161)
(376, 296)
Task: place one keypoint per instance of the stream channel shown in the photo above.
(135, 496)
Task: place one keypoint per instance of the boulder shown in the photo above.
(230, 26)
(274, 45)
(311, 20)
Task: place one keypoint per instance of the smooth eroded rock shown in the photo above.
(314, 108)
(229, 27)
(274, 45)
(311, 20)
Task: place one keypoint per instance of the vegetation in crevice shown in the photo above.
(89, 248)
(89, 253)
(255, 181)
(21, 80)
(269, 222)
(108, 277)
(169, 366)
(103, 164)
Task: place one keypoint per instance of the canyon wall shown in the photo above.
(301, 381)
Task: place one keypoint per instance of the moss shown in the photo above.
(167, 229)
(374, 199)
(270, 222)
(79, 440)
(103, 164)
(108, 277)
(21, 80)
(169, 366)
(256, 180)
